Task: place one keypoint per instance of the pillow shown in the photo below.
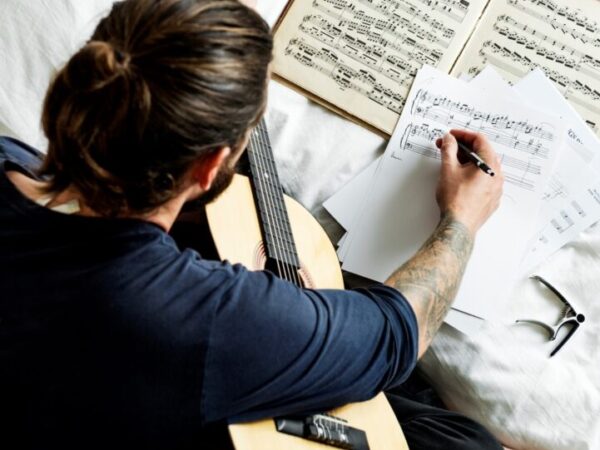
(38, 36)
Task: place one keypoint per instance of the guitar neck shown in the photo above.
(268, 193)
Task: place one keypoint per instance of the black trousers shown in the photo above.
(427, 425)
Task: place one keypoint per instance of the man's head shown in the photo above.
(163, 86)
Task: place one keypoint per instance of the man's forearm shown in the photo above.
(430, 279)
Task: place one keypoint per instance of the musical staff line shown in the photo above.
(554, 189)
(370, 42)
(373, 56)
(360, 81)
(521, 65)
(523, 136)
(420, 139)
(587, 27)
(570, 57)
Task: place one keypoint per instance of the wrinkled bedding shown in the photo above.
(501, 377)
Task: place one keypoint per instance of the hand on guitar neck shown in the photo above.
(467, 197)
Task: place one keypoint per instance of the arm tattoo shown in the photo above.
(430, 279)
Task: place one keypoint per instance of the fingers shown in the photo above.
(449, 150)
(467, 137)
(480, 145)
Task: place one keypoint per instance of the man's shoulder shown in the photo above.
(19, 153)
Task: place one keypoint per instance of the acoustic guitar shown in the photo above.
(255, 224)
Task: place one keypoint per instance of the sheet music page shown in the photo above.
(571, 200)
(343, 204)
(562, 37)
(362, 55)
(571, 204)
(401, 212)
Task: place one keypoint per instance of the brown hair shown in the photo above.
(161, 84)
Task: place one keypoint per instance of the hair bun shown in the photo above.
(96, 65)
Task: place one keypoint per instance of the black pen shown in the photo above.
(474, 157)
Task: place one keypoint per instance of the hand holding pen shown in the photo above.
(467, 154)
(466, 190)
(475, 158)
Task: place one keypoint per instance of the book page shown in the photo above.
(362, 55)
(562, 37)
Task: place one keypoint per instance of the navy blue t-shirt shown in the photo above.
(108, 329)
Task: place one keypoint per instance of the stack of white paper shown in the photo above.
(551, 192)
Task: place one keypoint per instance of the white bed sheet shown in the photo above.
(502, 377)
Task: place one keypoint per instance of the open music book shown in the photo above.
(360, 57)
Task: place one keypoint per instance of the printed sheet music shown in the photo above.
(562, 37)
(362, 55)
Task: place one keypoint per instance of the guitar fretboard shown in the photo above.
(277, 231)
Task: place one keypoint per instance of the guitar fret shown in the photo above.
(287, 239)
(285, 256)
(270, 202)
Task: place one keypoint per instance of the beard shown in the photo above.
(220, 184)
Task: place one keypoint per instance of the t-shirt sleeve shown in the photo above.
(20, 153)
(276, 349)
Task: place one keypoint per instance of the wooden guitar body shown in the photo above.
(237, 235)
(236, 231)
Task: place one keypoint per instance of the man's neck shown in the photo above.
(163, 216)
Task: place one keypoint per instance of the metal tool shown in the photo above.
(569, 317)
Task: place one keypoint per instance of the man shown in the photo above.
(112, 335)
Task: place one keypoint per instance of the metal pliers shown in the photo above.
(569, 317)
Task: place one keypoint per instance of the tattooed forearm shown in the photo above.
(430, 279)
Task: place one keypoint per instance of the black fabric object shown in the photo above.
(430, 428)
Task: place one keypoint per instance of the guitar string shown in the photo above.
(255, 147)
(289, 244)
(258, 179)
(287, 273)
(266, 215)
(277, 195)
(281, 212)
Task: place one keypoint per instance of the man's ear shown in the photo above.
(205, 171)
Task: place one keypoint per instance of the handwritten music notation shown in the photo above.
(420, 138)
(369, 49)
(528, 142)
(555, 189)
(562, 222)
(520, 135)
(557, 36)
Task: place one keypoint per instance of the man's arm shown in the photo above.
(430, 279)
(467, 197)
